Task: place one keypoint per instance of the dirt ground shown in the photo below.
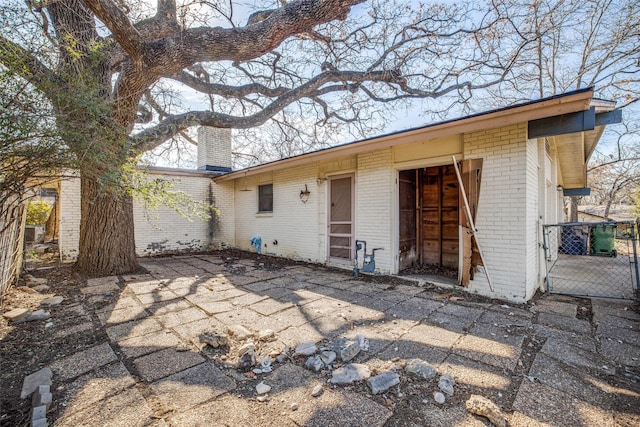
(31, 346)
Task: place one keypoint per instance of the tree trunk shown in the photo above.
(607, 208)
(573, 209)
(107, 244)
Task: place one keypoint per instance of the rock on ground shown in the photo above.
(306, 348)
(383, 382)
(350, 373)
(446, 383)
(420, 368)
(482, 406)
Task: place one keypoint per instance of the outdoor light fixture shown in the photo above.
(560, 187)
(304, 194)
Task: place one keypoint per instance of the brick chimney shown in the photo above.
(214, 149)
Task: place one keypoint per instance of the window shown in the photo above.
(265, 198)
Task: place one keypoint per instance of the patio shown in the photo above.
(542, 365)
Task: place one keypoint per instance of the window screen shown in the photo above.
(265, 198)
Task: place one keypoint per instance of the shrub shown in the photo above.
(38, 212)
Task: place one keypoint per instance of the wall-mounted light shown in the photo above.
(304, 194)
(560, 188)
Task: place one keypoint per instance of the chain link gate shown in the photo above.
(592, 259)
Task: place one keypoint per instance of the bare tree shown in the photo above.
(615, 175)
(574, 44)
(100, 64)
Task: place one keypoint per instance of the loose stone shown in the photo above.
(346, 349)
(383, 381)
(328, 357)
(446, 383)
(439, 397)
(362, 342)
(482, 406)
(35, 380)
(214, 339)
(306, 348)
(38, 315)
(266, 335)
(239, 332)
(263, 388)
(294, 406)
(350, 373)
(17, 315)
(314, 363)
(317, 390)
(52, 301)
(420, 368)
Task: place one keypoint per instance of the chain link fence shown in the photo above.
(592, 259)
(12, 218)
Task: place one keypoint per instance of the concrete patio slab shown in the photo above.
(90, 388)
(126, 409)
(83, 361)
(144, 344)
(192, 386)
(546, 366)
(554, 407)
(133, 329)
(570, 324)
(165, 362)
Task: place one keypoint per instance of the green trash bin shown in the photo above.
(602, 239)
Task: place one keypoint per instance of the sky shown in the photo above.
(403, 118)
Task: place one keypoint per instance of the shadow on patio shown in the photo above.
(154, 371)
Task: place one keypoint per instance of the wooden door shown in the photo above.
(471, 174)
(407, 204)
(439, 211)
(340, 224)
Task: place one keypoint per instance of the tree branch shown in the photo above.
(27, 66)
(122, 29)
(205, 44)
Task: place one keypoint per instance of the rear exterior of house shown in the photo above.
(406, 200)
(399, 193)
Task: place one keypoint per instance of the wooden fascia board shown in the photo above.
(552, 107)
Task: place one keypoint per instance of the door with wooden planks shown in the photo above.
(341, 214)
(408, 213)
(439, 210)
(433, 224)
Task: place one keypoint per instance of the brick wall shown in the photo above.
(163, 230)
(292, 230)
(507, 208)
(160, 230)
(214, 147)
(376, 206)
(535, 179)
(69, 233)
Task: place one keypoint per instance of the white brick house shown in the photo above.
(400, 192)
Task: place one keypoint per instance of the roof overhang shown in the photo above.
(574, 137)
(554, 106)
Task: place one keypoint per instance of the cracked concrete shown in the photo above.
(543, 366)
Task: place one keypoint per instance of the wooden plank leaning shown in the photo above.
(471, 223)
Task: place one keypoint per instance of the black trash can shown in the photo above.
(574, 239)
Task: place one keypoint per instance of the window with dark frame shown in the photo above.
(265, 198)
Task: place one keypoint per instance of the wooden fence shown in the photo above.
(12, 219)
